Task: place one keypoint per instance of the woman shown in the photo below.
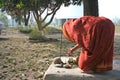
(95, 35)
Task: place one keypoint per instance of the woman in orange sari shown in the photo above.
(95, 35)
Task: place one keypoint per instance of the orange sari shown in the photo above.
(96, 36)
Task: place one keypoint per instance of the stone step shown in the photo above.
(56, 73)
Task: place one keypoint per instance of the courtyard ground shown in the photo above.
(24, 60)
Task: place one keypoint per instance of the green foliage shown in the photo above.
(19, 8)
(36, 35)
(20, 5)
(1, 3)
(22, 30)
(3, 18)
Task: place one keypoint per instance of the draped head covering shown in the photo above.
(96, 36)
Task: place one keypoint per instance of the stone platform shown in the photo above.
(56, 73)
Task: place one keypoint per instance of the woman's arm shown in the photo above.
(70, 51)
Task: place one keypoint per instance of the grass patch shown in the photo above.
(117, 29)
(52, 30)
(39, 36)
(22, 30)
(36, 34)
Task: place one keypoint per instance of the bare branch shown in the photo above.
(42, 11)
(52, 17)
(35, 15)
(52, 12)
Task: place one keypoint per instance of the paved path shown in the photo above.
(55, 73)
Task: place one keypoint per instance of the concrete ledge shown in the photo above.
(56, 73)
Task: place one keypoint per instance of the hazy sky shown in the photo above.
(70, 12)
(107, 8)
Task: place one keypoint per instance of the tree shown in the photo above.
(37, 7)
(47, 7)
(90, 7)
(16, 9)
(4, 18)
(44, 9)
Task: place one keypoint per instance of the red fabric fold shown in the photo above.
(96, 35)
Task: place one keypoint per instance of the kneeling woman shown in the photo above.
(95, 35)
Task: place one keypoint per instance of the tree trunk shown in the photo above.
(26, 25)
(39, 24)
(26, 19)
(19, 19)
(90, 7)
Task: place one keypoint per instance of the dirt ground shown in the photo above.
(24, 60)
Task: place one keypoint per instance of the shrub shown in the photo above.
(36, 35)
(22, 30)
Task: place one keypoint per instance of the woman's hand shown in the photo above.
(70, 51)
